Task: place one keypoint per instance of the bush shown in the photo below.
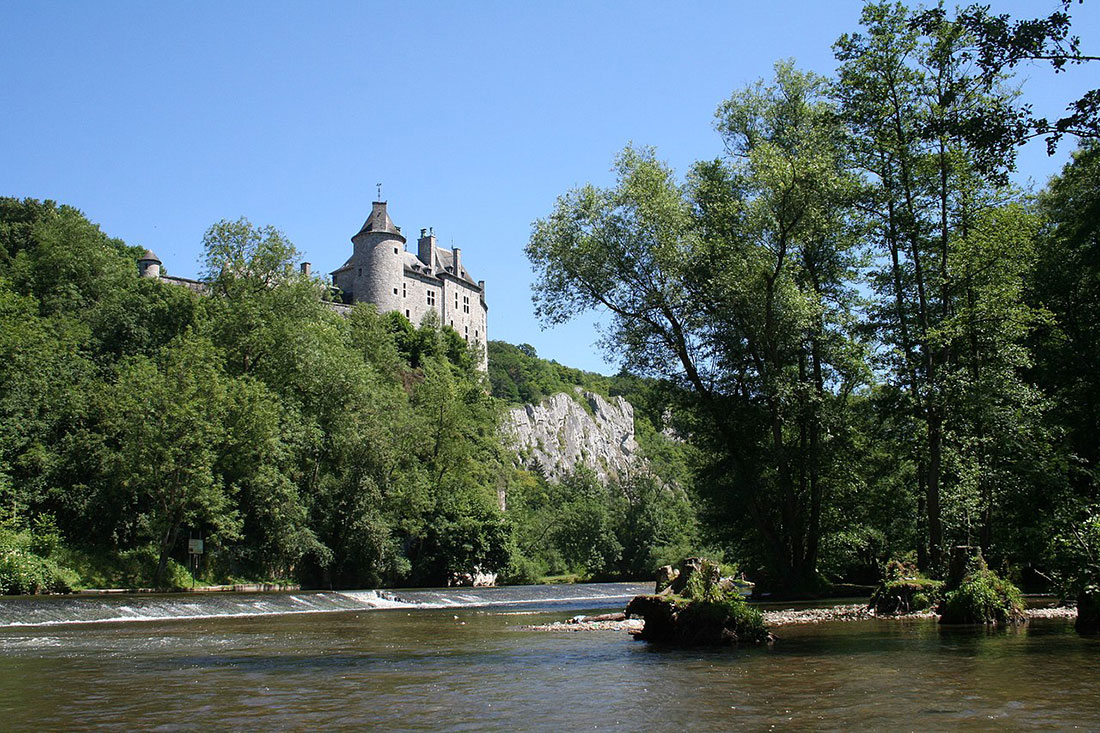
(26, 565)
(904, 590)
(983, 598)
(705, 613)
(26, 573)
(523, 571)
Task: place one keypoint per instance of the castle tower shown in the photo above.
(374, 271)
(149, 265)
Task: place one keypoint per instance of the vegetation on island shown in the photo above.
(982, 597)
(700, 608)
(904, 589)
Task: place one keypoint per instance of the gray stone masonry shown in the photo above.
(433, 279)
(381, 271)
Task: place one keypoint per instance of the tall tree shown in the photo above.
(731, 288)
(903, 88)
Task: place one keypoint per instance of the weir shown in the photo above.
(25, 611)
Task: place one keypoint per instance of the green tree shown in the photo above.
(166, 416)
(949, 261)
(996, 44)
(735, 290)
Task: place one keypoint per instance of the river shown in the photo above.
(464, 660)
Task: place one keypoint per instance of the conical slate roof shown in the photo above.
(149, 257)
(380, 221)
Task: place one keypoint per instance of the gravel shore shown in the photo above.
(783, 617)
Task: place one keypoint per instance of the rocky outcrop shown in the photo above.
(583, 429)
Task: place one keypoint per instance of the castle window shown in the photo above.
(431, 297)
(395, 250)
(360, 272)
(475, 333)
(406, 313)
(466, 335)
(456, 301)
(404, 290)
(465, 303)
(395, 291)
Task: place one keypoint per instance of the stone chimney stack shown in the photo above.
(481, 285)
(425, 248)
(458, 262)
(305, 269)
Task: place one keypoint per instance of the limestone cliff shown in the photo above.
(560, 433)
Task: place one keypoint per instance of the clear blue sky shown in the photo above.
(159, 119)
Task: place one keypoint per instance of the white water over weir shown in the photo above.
(17, 611)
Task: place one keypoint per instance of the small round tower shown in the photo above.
(149, 265)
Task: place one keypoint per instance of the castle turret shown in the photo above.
(149, 265)
(373, 272)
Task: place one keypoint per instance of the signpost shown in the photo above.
(194, 549)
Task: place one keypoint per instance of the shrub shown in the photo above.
(983, 598)
(27, 573)
(705, 612)
(904, 590)
(25, 563)
(523, 571)
(132, 568)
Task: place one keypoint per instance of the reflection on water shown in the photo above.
(479, 669)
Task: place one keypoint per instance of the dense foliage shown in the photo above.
(298, 443)
(847, 339)
(883, 348)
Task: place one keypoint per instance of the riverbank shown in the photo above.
(777, 617)
(234, 588)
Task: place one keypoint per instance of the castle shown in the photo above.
(382, 272)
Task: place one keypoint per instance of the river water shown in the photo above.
(465, 661)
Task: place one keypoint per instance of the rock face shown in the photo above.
(560, 434)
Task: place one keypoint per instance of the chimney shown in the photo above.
(305, 269)
(458, 262)
(481, 286)
(425, 249)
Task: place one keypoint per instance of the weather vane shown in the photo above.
(379, 191)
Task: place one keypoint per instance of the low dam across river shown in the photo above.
(18, 611)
